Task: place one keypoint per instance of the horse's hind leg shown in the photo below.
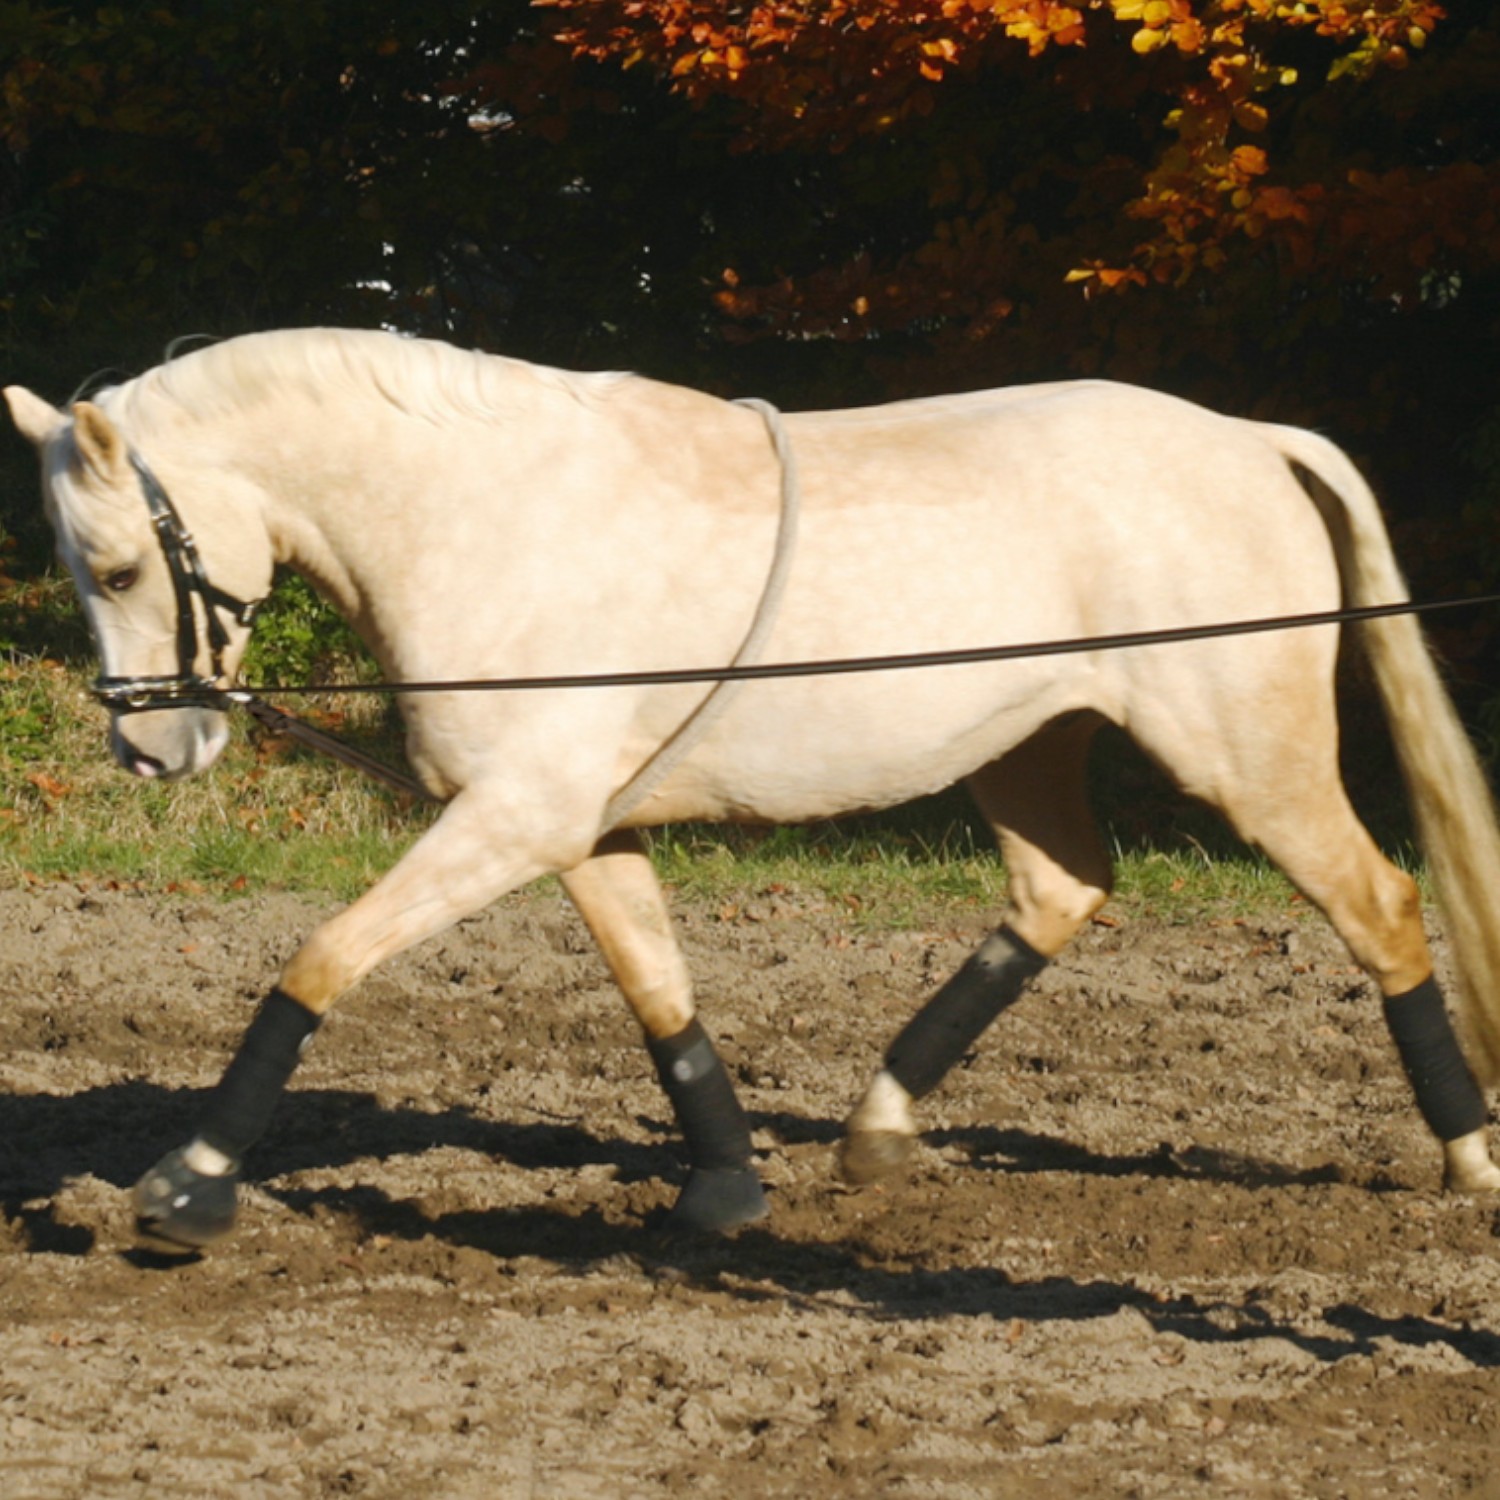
(1260, 742)
(618, 896)
(1035, 798)
(1307, 826)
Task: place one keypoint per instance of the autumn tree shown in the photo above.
(1106, 144)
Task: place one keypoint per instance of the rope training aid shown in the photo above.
(251, 697)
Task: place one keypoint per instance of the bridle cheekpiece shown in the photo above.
(185, 688)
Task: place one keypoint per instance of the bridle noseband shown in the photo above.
(184, 688)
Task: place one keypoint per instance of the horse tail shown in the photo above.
(1450, 797)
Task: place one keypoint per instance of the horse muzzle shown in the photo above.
(169, 744)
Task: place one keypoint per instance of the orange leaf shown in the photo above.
(1280, 203)
(48, 786)
(1250, 160)
(1189, 35)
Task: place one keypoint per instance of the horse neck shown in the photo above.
(350, 502)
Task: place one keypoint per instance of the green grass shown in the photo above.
(883, 876)
(268, 816)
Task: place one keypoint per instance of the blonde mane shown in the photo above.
(430, 381)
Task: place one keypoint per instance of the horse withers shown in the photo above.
(477, 517)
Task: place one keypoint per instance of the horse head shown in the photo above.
(168, 639)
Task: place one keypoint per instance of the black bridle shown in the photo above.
(185, 688)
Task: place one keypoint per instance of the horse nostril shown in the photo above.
(137, 762)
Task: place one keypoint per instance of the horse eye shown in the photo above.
(121, 579)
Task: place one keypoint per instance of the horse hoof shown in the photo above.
(1467, 1167)
(180, 1207)
(1476, 1179)
(717, 1199)
(867, 1155)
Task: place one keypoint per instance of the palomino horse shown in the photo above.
(476, 517)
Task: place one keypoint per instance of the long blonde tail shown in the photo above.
(1450, 797)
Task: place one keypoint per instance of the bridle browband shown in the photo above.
(184, 688)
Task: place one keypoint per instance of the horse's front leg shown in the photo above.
(618, 896)
(455, 868)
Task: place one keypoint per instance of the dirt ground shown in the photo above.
(1175, 1229)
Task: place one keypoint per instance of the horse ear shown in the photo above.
(99, 442)
(36, 420)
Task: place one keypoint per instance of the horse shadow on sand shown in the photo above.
(115, 1131)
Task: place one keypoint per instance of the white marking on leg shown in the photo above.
(886, 1106)
(206, 1159)
(1467, 1167)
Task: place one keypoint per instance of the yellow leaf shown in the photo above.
(1146, 40)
